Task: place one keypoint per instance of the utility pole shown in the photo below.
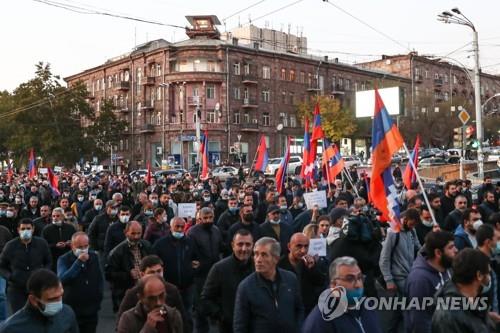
(479, 111)
(198, 129)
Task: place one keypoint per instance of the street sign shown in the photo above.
(464, 117)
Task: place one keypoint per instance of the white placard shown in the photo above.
(186, 210)
(43, 171)
(317, 246)
(57, 169)
(315, 198)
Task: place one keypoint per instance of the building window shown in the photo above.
(347, 84)
(196, 91)
(426, 74)
(309, 79)
(246, 69)
(211, 116)
(292, 75)
(246, 118)
(334, 83)
(266, 95)
(292, 98)
(446, 96)
(158, 118)
(266, 119)
(210, 91)
(341, 82)
(455, 80)
(293, 121)
(445, 78)
(302, 77)
(158, 69)
(211, 66)
(266, 72)
(236, 117)
(236, 93)
(110, 81)
(246, 94)
(436, 76)
(158, 93)
(283, 97)
(283, 119)
(236, 68)
(138, 144)
(283, 74)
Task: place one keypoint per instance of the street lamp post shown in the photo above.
(239, 147)
(456, 17)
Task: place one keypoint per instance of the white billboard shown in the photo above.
(365, 101)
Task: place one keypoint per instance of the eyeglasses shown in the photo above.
(352, 279)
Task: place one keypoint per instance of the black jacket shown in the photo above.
(260, 310)
(225, 221)
(18, 261)
(266, 230)
(453, 220)
(219, 293)
(40, 223)
(88, 217)
(253, 228)
(97, 230)
(447, 204)
(114, 236)
(82, 282)
(177, 255)
(121, 262)
(54, 234)
(209, 244)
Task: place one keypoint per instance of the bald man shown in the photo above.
(122, 270)
(305, 267)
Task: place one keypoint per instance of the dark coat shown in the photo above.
(114, 236)
(253, 228)
(266, 230)
(83, 283)
(18, 261)
(348, 322)
(133, 321)
(453, 220)
(88, 217)
(155, 231)
(225, 221)
(97, 230)
(219, 293)
(209, 244)
(29, 319)
(177, 255)
(54, 234)
(121, 262)
(258, 309)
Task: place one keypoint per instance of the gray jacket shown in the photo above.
(396, 259)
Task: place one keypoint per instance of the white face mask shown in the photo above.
(427, 223)
(477, 224)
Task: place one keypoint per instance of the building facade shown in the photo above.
(236, 91)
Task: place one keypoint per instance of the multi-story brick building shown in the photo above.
(242, 91)
(436, 82)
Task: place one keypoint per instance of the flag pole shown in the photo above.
(253, 163)
(349, 179)
(326, 167)
(419, 182)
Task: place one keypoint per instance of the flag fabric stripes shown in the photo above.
(262, 155)
(409, 175)
(282, 170)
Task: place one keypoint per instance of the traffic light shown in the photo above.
(469, 138)
(458, 137)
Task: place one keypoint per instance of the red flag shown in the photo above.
(317, 133)
(386, 140)
(148, 175)
(332, 161)
(306, 148)
(409, 176)
(262, 155)
(32, 170)
(204, 155)
(53, 182)
(281, 173)
(10, 172)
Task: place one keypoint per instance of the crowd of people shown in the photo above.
(243, 263)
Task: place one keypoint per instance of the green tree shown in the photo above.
(337, 122)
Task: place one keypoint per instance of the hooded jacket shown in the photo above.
(423, 281)
(461, 238)
(459, 320)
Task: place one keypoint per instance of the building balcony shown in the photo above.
(338, 90)
(249, 103)
(438, 82)
(147, 128)
(250, 127)
(194, 100)
(148, 106)
(122, 108)
(149, 81)
(122, 85)
(312, 88)
(249, 79)
(418, 78)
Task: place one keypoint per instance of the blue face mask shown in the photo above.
(497, 249)
(177, 235)
(354, 295)
(52, 308)
(486, 288)
(233, 210)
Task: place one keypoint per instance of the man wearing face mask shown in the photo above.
(91, 214)
(19, 258)
(146, 213)
(488, 242)
(345, 273)
(78, 204)
(9, 218)
(470, 278)
(285, 215)
(157, 226)
(122, 269)
(426, 224)
(219, 291)
(99, 226)
(58, 236)
(430, 270)
(465, 235)
(274, 228)
(247, 222)
(116, 231)
(32, 210)
(297, 206)
(44, 311)
(81, 277)
(165, 204)
(228, 218)
(221, 204)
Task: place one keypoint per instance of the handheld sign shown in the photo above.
(186, 210)
(315, 198)
(317, 246)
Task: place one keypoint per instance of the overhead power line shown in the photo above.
(242, 10)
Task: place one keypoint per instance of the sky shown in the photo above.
(33, 31)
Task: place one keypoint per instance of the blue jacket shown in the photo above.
(360, 321)
(258, 309)
(82, 282)
(423, 281)
(461, 238)
(31, 320)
